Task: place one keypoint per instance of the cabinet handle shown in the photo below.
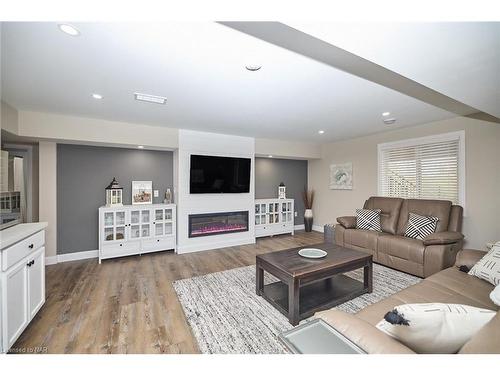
(28, 264)
(31, 246)
(157, 240)
(31, 263)
(121, 244)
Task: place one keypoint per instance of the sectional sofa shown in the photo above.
(447, 286)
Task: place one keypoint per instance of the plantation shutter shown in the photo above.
(428, 168)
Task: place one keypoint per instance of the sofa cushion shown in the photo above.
(425, 207)
(402, 247)
(465, 286)
(468, 257)
(361, 239)
(390, 208)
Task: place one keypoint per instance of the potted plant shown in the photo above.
(308, 198)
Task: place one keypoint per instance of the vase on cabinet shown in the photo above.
(308, 220)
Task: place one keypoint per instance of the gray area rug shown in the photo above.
(226, 316)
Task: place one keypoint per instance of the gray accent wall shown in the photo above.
(269, 172)
(83, 172)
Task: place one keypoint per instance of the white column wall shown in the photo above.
(48, 194)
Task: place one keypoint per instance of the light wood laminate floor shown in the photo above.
(128, 305)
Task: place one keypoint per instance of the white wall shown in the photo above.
(9, 119)
(83, 130)
(48, 194)
(482, 148)
(193, 142)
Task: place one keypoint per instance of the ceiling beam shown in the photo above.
(306, 45)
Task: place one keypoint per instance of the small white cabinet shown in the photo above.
(136, 229)
(274, 216)
(22, 287)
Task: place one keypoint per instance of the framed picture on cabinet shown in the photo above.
(142, 192)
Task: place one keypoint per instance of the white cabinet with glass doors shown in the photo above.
(136, 229)
(274, 216)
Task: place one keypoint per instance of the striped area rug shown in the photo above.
(226, 316)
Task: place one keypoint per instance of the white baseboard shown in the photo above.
(61, 258)
(50, 260)
(318, 228)
(299, 227)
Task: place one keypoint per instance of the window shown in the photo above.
(428, 168)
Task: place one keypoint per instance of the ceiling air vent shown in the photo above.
(150, 98)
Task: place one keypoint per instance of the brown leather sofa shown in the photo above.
(448, 286)
(391, 248)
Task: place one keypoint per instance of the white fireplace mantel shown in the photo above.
(200, 143)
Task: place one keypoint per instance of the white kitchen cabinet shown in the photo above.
(274, 216)
(136, 229)
(15, 300)
(22, 287)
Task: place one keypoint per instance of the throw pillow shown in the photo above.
(368, 219)
(434, 327)
(488, 268)
(419, 226)
(495, 295)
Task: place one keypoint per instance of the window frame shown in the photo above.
(460, 135)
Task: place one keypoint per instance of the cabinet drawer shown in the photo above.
(120, 249)
(22, 249)
(158, 244)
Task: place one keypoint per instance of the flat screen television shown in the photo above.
(217, 174)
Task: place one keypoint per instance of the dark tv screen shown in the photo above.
(217, 174)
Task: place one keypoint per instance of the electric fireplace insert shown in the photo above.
(217, 223)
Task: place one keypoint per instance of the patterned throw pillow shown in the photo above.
(419, 226)
(488, 268)
(434, 327)
(368, 219)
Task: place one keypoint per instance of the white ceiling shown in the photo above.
(199, 67)
(458, 59)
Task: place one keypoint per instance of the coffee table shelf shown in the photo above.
(317, 296)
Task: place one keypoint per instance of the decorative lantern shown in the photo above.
(114, 194)
(282, 191)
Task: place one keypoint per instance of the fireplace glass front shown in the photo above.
(217, 223)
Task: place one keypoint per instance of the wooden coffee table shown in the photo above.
(309, 285)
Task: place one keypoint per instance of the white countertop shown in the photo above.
(10, 236)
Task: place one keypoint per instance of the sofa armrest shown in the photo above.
(363, 334)
(443, 238)
(439, 257)
(468, 257)
(348, 222)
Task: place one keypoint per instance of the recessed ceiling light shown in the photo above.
(141, 147)
(386, 113)
(389, 121)
(270, 156)
(97, 96)
(68, 29)
(253, 68)
(321, 131)
(150, 98)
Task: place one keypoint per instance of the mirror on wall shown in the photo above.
(12, 190)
